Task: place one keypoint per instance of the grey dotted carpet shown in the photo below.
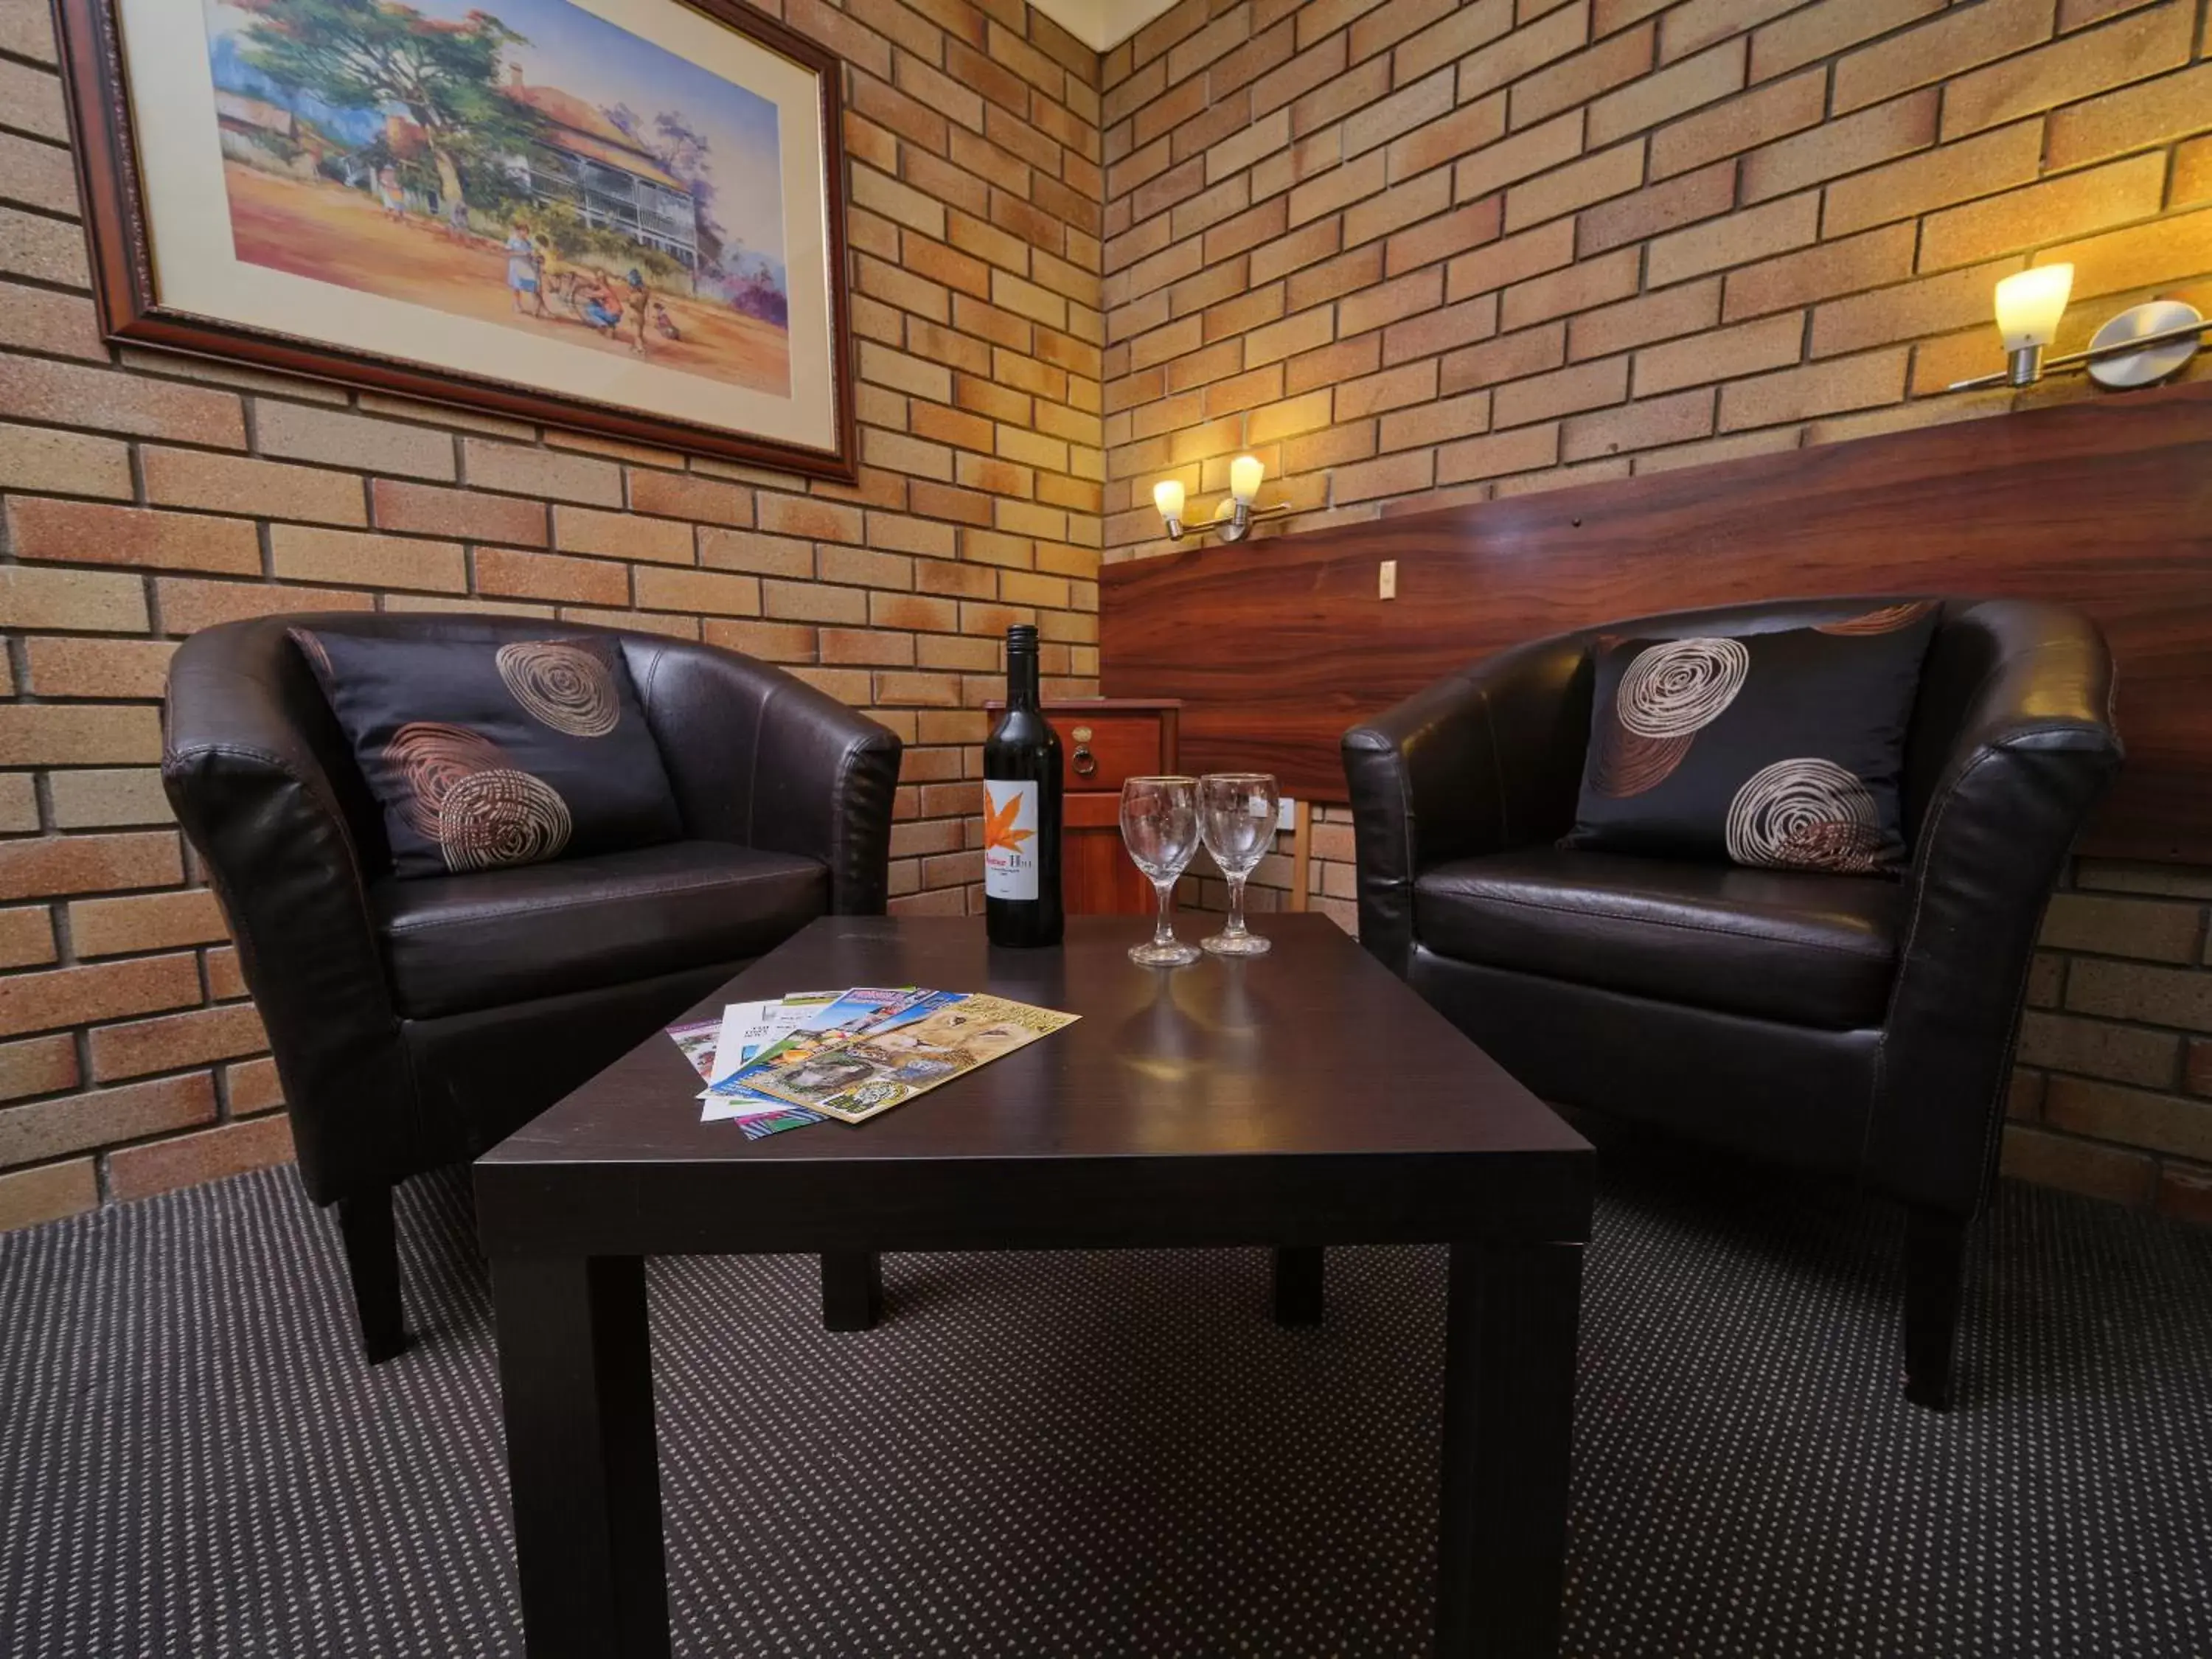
(1085, 1455)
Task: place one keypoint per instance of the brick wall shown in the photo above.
(1412, 253)
(144, 496)
(2113, 1096)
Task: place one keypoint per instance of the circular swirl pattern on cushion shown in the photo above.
(1805, 814)
(1672, 690)
(1629, 765)
(567, 687)
(432, 758)
(497, 817)
(1887, 619)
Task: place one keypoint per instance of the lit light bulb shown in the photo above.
(1245, 473)
(1167, 495)
(2029, 306)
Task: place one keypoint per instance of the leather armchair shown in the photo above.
(1835, 1022)
(417, 1022)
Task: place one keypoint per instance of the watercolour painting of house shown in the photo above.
(536, 167)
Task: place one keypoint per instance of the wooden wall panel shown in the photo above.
(1277, 646)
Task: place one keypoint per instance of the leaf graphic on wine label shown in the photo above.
(999, 825)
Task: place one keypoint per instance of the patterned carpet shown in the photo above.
(1096, 1454)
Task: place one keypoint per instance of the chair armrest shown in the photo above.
(1487, 759)
(2033, 750)
(266, 818)
(760, 758)
(824, 787)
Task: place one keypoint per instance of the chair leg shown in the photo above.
(852, 1291)
(372, 1263)
(1935, 1275)
(1300, 1286)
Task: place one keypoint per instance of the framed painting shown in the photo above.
(620, 216)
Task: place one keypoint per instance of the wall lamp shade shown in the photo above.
(1245, 474)
(1167, 495)
(2029, 305)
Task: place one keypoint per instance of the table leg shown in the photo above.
(1508, 1448)
(575, 1378)
(1298, 1284)
(852, 1290)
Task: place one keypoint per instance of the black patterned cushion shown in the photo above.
(1779, 750)
(485, 754)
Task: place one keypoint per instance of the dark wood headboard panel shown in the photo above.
(1276, 646)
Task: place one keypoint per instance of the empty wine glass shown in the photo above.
(1159, 826)
(1237, 818)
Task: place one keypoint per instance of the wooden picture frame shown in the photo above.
(677, 351)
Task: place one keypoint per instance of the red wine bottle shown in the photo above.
(1021, 810)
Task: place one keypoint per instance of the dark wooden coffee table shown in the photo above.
(1297, 1100)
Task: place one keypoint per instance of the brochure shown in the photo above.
(913, 1051)
(774, 1123)
(789, 1061)
(747, 1028)
(698, 1040)
(846, 1017)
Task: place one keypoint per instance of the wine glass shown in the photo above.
(1237, 818)
(1159, 825)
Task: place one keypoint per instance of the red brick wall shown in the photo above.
(1412, 253)
(143, 495)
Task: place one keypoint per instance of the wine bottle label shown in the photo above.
(1009, 838)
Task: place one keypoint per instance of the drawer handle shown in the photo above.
(1085, 763)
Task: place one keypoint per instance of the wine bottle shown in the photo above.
(1021, 810)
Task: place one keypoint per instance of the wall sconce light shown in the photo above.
(1233, 518)
(2140, 347)
(1167, 495)
(2029, 305)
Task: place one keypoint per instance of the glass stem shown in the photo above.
(1236, 905)
(1162, 933)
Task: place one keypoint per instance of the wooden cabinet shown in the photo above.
(1103, 740)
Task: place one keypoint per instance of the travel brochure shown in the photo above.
(811, 1055)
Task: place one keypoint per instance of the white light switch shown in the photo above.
(1390, 583)
(1286, 814)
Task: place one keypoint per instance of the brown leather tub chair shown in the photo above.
(1835, 1023)
(417, 1023)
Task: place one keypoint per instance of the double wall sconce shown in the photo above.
(1232, 519)
(2140, 347)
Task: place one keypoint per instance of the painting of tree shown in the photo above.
(368, 54)
(671, 140)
